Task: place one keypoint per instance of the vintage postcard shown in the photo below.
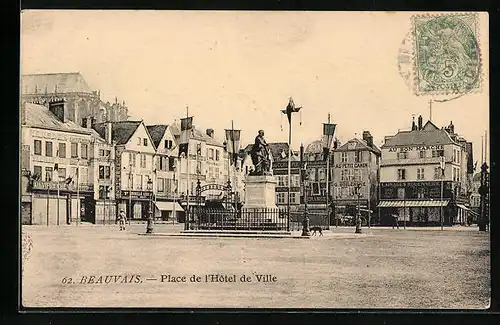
(244, 159)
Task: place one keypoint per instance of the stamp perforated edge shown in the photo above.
(479, 87)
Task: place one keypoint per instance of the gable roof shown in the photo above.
(121, 131)
(431, 136)
(157, 132)
(196, 134)
(72, 82)
(40, 116)
(360, 145)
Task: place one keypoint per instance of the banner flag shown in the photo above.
(186, 127)
(328, 137)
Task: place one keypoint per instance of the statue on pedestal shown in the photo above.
(260, 156)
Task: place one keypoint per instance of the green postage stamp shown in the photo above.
(447, 59)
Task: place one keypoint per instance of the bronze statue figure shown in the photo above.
(260, 156)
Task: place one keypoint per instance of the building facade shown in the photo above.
(134, 173)
(58, 183)
(412, 185)
(165, 164)
(355, 169)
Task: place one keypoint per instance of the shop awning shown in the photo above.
(168, 206)
(411, 204)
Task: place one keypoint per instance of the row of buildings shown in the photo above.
(84, 160)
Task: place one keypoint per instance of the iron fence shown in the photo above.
(272, 219)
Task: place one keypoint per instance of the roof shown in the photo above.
(157, 132)
(429, 135)
(197, 134)
(54, 82)
(360, 145)
(314, 147)
(121, 131)
(35, 115)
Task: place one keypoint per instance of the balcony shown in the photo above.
(413, 161)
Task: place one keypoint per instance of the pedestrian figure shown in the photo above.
(121, 220)
(395, 221)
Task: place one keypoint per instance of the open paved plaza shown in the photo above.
(381, 268)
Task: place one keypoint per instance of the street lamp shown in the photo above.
(149, 228)
(358, 219)
(305, 182)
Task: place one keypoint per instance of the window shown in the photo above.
(48, 148)
(358, 156)
(358, 175)
(434, 192)
(438, 173)
(132, 158)
(168, 144)
(74, 150)
(145, 141)
(84, 150)
(38, 147)
(292, 198)
(139, 141)
(437, 153)
(350, 174)
(454, 155)
(343, 157)
(281, 181)
(401, 174)
(37, 170)
(321, 174)
(422, 154)
(62, 150)
(130, 182)
(101, 152)
(343, 175)
(139, 182)
(198, 167)
(280, 198)
(401, 193)
(48, 174)
(143, 160)
(420, 173)
(104, 192)
(402, 155)
(217, 155)
(161, 185)
(104, 172)
(62, 173)
(211, 154)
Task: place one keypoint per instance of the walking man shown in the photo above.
(395, 221)
(121, 220)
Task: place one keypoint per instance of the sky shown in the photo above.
(243, 66)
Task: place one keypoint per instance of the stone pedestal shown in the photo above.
(260, 192)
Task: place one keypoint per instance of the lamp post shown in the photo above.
(305, 222)
(149, 228)
(442, 165)
(358, 219)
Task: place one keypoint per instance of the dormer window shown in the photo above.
(145, 141)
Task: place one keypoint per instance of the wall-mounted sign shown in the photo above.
(351, 165)
(349, 184)
(418, 148)
(137, 194)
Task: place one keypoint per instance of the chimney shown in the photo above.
(451, 127)
(368, 138)
(108, 131)
(210, 132)
(413, 125)
(420, 121)
(57, 108)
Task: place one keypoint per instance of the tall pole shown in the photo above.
(175, 198)
(186, 223)
(48, 203)
(482, 149)
(404, 206)
(58, 197)
(78, 203)
(130, 191)
(327, 177)
(485, 145)
(369, 208)
(289, 171)
(441, 203)
(430, 110)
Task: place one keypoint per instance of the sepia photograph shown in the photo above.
(254, 159)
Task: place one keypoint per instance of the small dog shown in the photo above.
(317, 229)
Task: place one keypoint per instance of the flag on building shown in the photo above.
(186, 127)
(328, 137)
(442, 165)
(233, 142)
